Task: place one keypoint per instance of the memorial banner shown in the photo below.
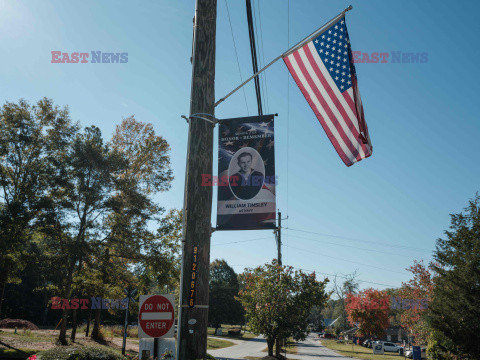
(246, 174)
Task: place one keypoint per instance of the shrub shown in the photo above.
(79, 353)
(17, 323)
(132, 332)
(235, 332)
(439, 347)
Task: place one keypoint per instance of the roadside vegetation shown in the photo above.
(357, 351)
(231, 331)
(215, 344)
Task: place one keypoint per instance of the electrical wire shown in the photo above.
(262, 53)
(251, 33)
(361, 240)
(345, 277)
(236, 55)
(288, 121)
(349, 246)
(242, 241)
(350, 261)
(323, 273)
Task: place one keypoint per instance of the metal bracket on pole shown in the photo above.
(214, 121)
(195, 306)
(288, 52)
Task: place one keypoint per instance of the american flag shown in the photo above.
(324, 71)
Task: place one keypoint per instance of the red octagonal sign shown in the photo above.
(156, 316)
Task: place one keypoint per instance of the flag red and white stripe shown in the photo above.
(324, 72)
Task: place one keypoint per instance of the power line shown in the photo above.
(236, 55)
(262, 53)
(288, 119)
(323, 273)
(345, 277)
(242, 241)
(361, 240)
(349, 246)
(251, 33)
(350, 261)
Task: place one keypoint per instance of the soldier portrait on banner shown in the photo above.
(246, 174)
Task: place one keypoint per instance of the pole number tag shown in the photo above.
(193, 278)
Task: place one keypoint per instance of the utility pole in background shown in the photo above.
(278, 234)
(279, 342)
(193, 311)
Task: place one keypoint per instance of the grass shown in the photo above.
(214, 344)
(22, 334)
(291, 347)
(261, 358)
(111, 331)
(358, 351)
(243, 335)
(35, 341)
(13, 354)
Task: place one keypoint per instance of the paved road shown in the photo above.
(310, 349)
(252, 347)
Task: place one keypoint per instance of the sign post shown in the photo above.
(130, 294)
(156, 318)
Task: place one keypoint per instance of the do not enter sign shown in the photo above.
(156, 316)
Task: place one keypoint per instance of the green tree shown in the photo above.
(420, 287)
(455, 308)
(278, 300)
(25, 134)
(316, 319)
(224, 287)
(76, 208)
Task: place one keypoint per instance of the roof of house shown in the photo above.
(350, 331)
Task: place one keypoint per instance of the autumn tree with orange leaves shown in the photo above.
(420, 287)
(369, 308)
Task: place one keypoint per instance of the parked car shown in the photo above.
(390, 347)
(367, 342)
(327, 336)
(423, 352)
(370, 344)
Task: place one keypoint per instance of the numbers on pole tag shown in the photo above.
(193, 277)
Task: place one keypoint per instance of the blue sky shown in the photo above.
(383, 212)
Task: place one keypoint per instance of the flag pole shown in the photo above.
(288, 52)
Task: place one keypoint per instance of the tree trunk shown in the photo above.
(3, 284)
(88, 321)
(270, 343)
(67, 294)
(96, 326)
(278, 347)
(74, 325)
(62, 338)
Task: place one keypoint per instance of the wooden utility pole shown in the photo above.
(192, 331)
(279, 342)
(279, 239)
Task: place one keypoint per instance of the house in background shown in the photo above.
(329, 322)
(392, 334)
(395, 334)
